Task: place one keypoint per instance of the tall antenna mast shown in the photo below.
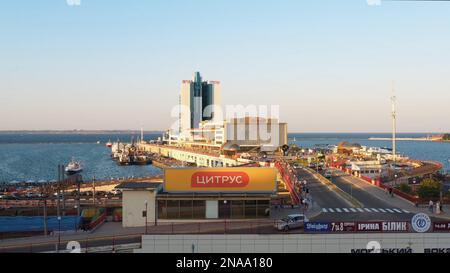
(142, 134)
(394, 123)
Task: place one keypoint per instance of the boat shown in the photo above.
(123, 159)
(141, 160)
(73, 167)
(109, 144)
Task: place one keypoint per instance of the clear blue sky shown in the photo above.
(328, 64)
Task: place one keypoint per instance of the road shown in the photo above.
(320, 193)
(374, 208)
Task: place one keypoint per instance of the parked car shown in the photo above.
(292, 221)
(116, 192)
(328, 174)
(32, 195)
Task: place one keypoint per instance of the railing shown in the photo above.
(98, 221)
(112, 243)
(84, 244)
(289, 178)
(52, 202)
(377, 182)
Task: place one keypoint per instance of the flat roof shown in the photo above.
(139, 185)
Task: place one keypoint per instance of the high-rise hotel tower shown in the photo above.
(197, 99)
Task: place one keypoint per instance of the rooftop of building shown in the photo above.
(139, 185)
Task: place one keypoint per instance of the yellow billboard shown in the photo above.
(220, 179)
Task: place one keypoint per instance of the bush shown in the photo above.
(429, 188)
(405, 188)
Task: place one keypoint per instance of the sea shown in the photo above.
(35, 156)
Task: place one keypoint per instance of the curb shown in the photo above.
(335, 189)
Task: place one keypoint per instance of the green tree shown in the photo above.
(429, 188)
(446, 137)
(404, 187)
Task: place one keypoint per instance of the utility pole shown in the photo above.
(93, 190)
(79, 179)
(394, 131)
(63, 191)
(58, 212)
(44, 191)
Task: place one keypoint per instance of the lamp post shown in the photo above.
(76, 219)
(146, 217)
(59, 232)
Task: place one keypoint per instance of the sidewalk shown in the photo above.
(395, 201)
(311, 212)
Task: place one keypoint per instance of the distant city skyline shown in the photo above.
(119, 65)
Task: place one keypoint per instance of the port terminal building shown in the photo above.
(200, 193)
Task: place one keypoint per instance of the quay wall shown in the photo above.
(202, 159)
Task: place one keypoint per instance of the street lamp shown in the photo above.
(146, 217)
(59, 232)
(76, 219)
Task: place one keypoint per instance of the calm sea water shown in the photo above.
(36, 156)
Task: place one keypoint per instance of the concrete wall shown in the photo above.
(134, 204)
(293, 243)
(192, 157)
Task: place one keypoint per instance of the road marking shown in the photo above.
(390, 210)
(346, 210)
(324, 210)
(382, 210)
(398, 211)
(352, 209)
(368, 210)
(338, 210)
(360, 209)
(405, 211)
(330, 209)
(375, 210)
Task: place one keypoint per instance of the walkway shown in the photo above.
(395, 201)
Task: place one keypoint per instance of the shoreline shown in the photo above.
(408, 139)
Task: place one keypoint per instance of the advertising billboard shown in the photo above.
(220, 180)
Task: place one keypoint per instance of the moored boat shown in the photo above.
(73, 167)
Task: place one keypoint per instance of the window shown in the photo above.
(162, 209)
(237, 209)
(250, 209)
(224, 209)
(185, 209)
(173, 209)
(199, 209)
(263, 208)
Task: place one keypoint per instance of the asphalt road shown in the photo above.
(320, 193)
(368, 200)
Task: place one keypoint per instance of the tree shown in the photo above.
(404, 187)
(446, 137)
(429, 188)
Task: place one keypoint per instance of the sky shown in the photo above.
(329, 65)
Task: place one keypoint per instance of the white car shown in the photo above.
(292, 221)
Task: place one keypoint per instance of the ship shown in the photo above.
(123, 159)
(73, 167)
(109, 144)
(141, 160)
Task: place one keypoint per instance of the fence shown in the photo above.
(113, 243)
(289, 178)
